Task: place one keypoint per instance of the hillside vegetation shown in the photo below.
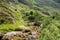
(42, 15)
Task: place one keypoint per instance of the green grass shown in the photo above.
(10, 27)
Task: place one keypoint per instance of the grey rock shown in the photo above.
(19, 36)
(1, 35)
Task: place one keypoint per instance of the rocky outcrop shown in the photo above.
(17, 35)
(1, 35)
(21, 33)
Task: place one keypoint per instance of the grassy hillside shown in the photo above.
(44, 14)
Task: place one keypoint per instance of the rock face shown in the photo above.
(17, 35)
(1, 35)
(24, 33)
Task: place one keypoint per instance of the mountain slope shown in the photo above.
(42, 16)
(39, 3)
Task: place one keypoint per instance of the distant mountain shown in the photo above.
(40, 3)
(58, 1)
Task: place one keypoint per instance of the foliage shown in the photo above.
(23, 13)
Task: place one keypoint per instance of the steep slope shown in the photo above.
(40, 3)
(10, 17)
(42, 16)
(46, 6)
(49, 3)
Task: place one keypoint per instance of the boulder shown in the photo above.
(17, 35)
(1, 35)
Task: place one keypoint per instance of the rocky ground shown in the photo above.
(25, 33)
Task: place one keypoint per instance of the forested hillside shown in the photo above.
(29, 20)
